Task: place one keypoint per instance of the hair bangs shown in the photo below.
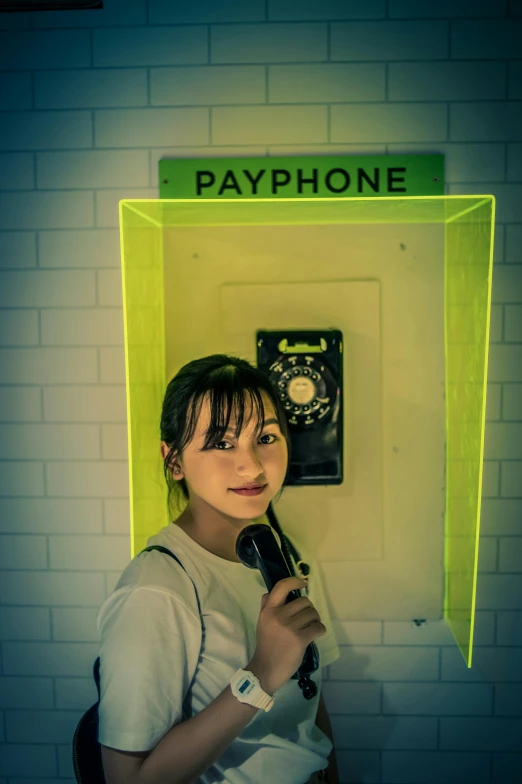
(227, 393)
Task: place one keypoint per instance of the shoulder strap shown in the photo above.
(168, 552)
(96, 668)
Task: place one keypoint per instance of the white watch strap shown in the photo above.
(246, 688)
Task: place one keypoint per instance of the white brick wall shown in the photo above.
(89, 102)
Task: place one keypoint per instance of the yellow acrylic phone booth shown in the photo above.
(408, 281)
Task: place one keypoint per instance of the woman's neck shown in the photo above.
(213, 544)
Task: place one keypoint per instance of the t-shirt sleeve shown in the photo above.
(327, 645)
(149, 651)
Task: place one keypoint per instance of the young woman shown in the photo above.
(181, 703)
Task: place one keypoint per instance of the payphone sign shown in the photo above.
(301, 177)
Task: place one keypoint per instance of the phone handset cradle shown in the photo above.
(257, 548)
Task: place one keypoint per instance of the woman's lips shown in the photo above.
(251, 492)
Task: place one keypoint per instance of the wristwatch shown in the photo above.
(246, 688)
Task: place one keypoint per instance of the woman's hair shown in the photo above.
(227, 380)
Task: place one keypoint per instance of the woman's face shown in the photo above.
(231, 463)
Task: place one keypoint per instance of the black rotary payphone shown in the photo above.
(305, 366)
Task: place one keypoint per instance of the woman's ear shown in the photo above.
(164, 450)
(174, 468)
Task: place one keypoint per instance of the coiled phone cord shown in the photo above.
(302, 567)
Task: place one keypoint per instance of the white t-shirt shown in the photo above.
(151, 646)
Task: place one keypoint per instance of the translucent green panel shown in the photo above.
(242, 212)
(468, 222)
(144, 339)
(468, 273)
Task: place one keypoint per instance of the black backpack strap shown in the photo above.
(162, 550)
(96, 673)
(165, 550)
(96, 668)
(168, 552)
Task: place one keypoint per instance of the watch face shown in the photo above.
(244, 685)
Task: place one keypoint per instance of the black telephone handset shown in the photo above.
(257, 548)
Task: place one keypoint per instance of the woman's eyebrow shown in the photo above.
(271, 421)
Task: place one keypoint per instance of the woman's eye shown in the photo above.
(267, 435)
